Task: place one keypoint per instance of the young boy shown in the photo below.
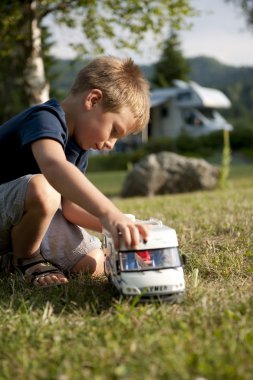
(45, 199)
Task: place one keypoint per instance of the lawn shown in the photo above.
(86, 331)
(108, 182)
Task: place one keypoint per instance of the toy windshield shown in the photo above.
(150, 259)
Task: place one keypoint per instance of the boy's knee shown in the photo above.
(92, 263)
(41, 195)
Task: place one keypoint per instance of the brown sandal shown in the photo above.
(42, 268)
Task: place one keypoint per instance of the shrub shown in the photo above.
(200, 147)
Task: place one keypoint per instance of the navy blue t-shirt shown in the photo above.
(46, 120)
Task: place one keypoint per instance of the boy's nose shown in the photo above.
(110, 144)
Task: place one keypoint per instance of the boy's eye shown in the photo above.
(114, 132)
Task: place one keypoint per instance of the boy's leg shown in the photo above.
(28, 226)
(72, 248)
(92, 263)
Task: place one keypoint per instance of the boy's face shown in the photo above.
(99, 130)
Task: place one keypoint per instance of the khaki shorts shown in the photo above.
(12, 199)
(64, 243)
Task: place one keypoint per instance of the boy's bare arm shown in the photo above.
(77, 215)
(73, 185)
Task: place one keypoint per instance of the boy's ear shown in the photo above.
(92, 98)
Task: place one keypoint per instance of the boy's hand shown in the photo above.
(121, 227)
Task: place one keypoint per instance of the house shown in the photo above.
(186, 108)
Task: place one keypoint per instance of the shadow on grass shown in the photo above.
(93, 295)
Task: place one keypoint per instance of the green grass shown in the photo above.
(108, 182)
(86, 331)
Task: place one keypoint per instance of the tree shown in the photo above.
(22, 72)
(247, 8)
(172, 65)
(21, 34)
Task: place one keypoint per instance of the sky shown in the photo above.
(219, 32)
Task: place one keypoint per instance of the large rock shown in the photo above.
(166, 172)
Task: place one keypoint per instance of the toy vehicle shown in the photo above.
(154, 271)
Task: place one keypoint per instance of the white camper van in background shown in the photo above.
(186, 108)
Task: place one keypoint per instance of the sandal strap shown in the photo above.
(23, 268)
(23, 264)
(50, 269)
(41, 268)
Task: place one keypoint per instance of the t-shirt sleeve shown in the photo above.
(42, 124)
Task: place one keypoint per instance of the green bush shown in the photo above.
(199, 147)
(241, 138)
(159, 145)
(115, 160)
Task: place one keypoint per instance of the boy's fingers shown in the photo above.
(129, 232)
(131, 235)
(125, 234)
(134, 236)
(144, 230)
(137, 232)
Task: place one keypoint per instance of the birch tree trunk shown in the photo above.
(35, 82)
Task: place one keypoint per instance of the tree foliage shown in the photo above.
(172, 64)
(16, 48)
(124, 22)
(11, 59)
(247, 8)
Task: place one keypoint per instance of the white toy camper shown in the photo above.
(154, 271)
(186, 108)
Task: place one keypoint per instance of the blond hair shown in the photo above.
(122, 84)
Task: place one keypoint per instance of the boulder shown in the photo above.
(166, 172)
